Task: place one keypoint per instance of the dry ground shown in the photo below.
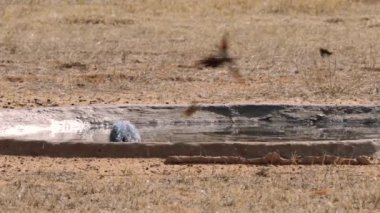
(92, 185)
(144, 52)
(83, 52)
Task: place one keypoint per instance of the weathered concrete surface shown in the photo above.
(164, 116)
(162, 150)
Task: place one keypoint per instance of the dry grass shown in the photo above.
(144, 51)
(84, 52)
(55, 184)
(308, 7)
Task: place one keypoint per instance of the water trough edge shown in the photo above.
(162, 150)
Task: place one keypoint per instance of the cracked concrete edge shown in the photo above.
(350, 149)
(172, 114)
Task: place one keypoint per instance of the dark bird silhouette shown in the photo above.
(194, 107)
(324, 52)
(221, 58)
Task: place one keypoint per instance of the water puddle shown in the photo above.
(257, 132)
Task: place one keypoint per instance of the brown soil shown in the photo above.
(57, 184)
(144, 52)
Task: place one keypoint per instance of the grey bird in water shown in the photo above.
(124, 131)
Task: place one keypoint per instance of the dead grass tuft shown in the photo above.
(315, 7)
(326, 80)
(102, 78)
(20, 78)
(71, 65)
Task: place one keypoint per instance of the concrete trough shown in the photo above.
(348, 149)
(17, 125)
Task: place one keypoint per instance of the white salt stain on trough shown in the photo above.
(45, 130)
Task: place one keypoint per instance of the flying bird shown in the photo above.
(324, 52)
(221, 58)
(194, 107)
